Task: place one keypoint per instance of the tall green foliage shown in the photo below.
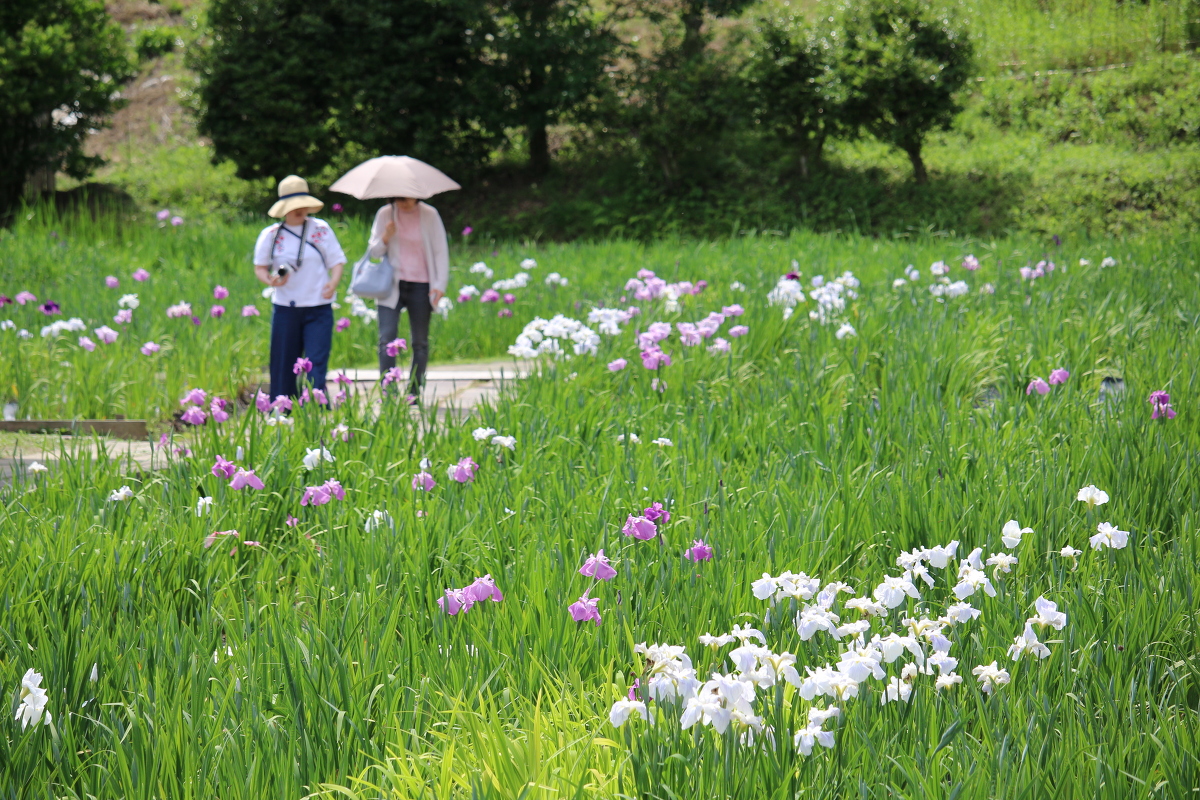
(900, 65)
(789, 75)
(549, 58)
(61, 62)
(285, 85)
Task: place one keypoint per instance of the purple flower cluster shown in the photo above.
(1041, 269)
(1161, 403)
(463, 471)
(238, 477)
(193, 414)
(1057, 377)
(456, 601)
(320, 495)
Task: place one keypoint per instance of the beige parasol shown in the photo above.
(393, 176)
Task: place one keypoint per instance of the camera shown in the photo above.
(283, 270)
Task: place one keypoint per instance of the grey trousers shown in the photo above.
(414, 297)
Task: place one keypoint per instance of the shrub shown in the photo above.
(154, 42)
(899, 69)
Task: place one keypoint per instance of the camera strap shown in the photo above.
(302, 236)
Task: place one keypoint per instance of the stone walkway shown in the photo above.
(451, 388)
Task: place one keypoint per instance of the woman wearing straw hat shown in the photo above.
(301, 258)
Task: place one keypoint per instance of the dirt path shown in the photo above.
(454, 389)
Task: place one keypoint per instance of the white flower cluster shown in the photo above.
(518, 281)
(543, 336)
(787, 293)
(360, 309)
(947, 290)
(610, 320)
(483, 434)
(129, 301)
(831, 297)
(33, 701)
(55, 329)
(554, 279)
(918, 646)
(377, 520)
(480, 268)
(528, 263)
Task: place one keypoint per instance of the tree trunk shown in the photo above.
(918, 165)
(539, 148)
(693, 41)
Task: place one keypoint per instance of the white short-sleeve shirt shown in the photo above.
(279, 244)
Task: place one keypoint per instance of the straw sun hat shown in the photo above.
(293, 194)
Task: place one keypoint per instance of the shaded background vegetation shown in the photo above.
(697, 118)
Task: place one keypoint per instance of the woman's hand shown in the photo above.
(435, 297)
(389, 231)
(328, 290)
(277, 280)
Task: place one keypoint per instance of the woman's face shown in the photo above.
(297, 216)
(405, 203)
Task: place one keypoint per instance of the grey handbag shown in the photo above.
(373, 280)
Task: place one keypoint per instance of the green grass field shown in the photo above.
(312, 659)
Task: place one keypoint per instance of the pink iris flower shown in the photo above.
(196, 397)
(618, 365)
(124, 316)
(262, 401)
(1058, 376)
(216, 312)
(315, 496)
(291, 521)
(700, 286)
(655, 358)
(87, 344)
(734, 310)
(738, 330)
(220, 292)
(150, 348)
(176, 221)
(141, 275)
(970, 263)
(1037, 385)
(699, 551)
(194, 415)
(281, 403)
(656, 512)
(250, 311)
(719, 345)
(467, 231)
(1161, 403)
(342, 324)
(303, 398)
(504, 312)
(463, 471)
(423, 481)
(489, 296)
(211, 539)
(639, 528)
(25, 297)
(319, 397)
(243, 478)
(394, 347)
(163, 215)
(393, 375)
(106, 334)
(510, 298)
(597, 567)
(585, 609)
(50, 308)
(343, 379)
(222, 468)
(483, 589)
(452, 602)
(112, 282)
(217, 408)
(302, 365)
(689, 334)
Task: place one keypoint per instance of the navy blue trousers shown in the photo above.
(295, 332)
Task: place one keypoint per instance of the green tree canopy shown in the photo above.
(900, 65)
(288, 85)
(549, 58)
(61, 62)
